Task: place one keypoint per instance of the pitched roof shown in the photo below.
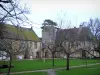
(20, 33)
(80, 34)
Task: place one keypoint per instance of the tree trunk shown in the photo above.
(26, 52)
(67, 66)
(86, 60)
(26, 56)
(99, 54)
(53, 59)
(9, 68)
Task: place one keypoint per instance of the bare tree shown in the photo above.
(13, 14)
(94, 26)
(64, 37)
(53, 48)
(5, 46)
(73, 40)
(26, 51)
(67, 42)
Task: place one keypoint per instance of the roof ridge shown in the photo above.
(22, 33)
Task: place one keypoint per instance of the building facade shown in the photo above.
(24, 42)
(79, 39)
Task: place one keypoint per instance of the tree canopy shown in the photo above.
(49, 22)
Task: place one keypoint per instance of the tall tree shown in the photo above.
(67, 42)
(49, 27)
(49, 22)
(11, 13)
(94, 25)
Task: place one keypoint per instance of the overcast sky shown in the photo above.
(75, 10)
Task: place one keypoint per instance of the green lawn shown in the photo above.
(92, 70)
(28, 65)
(32, 73)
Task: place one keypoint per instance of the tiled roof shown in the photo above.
(80, 34)
(20, 33)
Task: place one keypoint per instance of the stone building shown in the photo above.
(23, 41)
(80, 39)
(48, 37)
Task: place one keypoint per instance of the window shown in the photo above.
(35, 45)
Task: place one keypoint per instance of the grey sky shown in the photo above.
(75, 10)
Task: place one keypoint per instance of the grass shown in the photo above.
(92, 70)
(28, 65)
(32, 73)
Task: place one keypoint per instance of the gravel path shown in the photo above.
(51, 72)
